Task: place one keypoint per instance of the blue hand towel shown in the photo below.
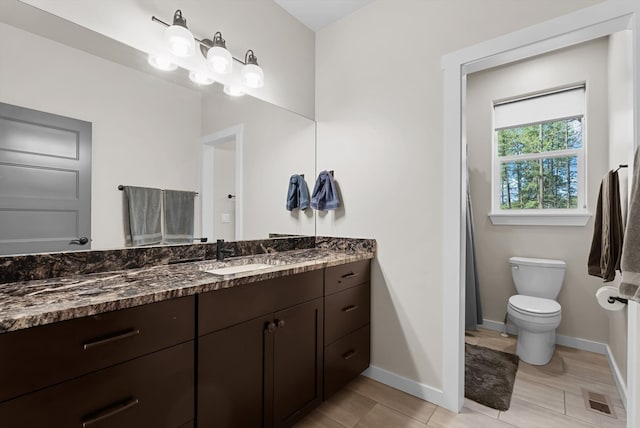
(325, 195)
(298, 194)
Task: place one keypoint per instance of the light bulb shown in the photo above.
(252, 76)
(180, 40)
(201, 78)
(161, 62)
(233, 91)
(220, 60)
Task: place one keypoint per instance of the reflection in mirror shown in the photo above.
(150, 130)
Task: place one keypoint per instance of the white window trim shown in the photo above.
(541, 217)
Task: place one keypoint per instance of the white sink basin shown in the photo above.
(232, 270)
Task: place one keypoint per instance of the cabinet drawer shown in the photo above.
(341, 277)
(346, 311)
(156, 390)
(41, 356)
(227, 307)
(345, 359)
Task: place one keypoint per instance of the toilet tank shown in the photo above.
(537, 277)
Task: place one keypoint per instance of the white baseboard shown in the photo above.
(571, 342)
(617, 376)
(420, 390)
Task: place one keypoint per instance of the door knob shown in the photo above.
(79, 241)
(270, 327)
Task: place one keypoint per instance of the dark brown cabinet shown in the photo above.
(265, 371)
(347, 324)
(258, 355)
(128, 368)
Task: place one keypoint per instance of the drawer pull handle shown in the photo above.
(349, 355)
(114, 338)
(350, 308)
(349, 275)
(109, 411)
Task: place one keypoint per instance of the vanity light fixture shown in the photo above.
(181, 41)
(217, 55)
(233, 91)
(182, 44)
(252, 74)
(161, 62)
(201, 78)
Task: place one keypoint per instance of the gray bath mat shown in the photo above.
(489, 376)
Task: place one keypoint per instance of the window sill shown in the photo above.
(540, 219)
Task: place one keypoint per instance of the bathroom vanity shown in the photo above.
(177, 346)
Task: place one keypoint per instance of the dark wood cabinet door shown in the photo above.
(230, 375)
(297, 362)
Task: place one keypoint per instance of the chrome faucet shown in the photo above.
(221, 251)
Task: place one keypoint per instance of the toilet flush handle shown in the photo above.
(515, 267)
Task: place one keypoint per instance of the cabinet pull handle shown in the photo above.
(349, 275)
(350, 308)
(280, 323)
(114, 338)
(349, 355)
(110, 411)
(270, 327)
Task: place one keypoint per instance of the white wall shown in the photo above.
(379, 110)
(620, 152)
(276, 144)
(582, 317)
(145, 130)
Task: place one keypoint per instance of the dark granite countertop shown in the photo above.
(28, 304)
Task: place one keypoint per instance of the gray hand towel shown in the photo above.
(141, 215)
(631, 249)
(178, 216)
(325, 194)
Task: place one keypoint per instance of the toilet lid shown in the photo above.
(534, 305)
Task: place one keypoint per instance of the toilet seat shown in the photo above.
(534, 306)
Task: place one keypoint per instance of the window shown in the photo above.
(539, 162)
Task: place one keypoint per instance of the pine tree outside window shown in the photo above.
(539, 169)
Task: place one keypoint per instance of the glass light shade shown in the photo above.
(201, 78)
(220, 60)
(161, 63)
(233, 91)
(252, 76)
(180, 40)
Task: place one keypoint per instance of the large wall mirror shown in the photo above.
(155, 130)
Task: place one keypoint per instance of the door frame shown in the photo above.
(581, 26)
(208, 143)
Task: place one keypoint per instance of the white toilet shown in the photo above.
(534, 310)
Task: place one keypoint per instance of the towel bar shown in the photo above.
(621, 166)
(121, 187)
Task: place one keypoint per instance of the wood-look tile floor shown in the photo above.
(548, 397)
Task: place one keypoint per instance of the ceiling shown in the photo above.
(317, 14)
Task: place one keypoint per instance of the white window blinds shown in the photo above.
(543, 108)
